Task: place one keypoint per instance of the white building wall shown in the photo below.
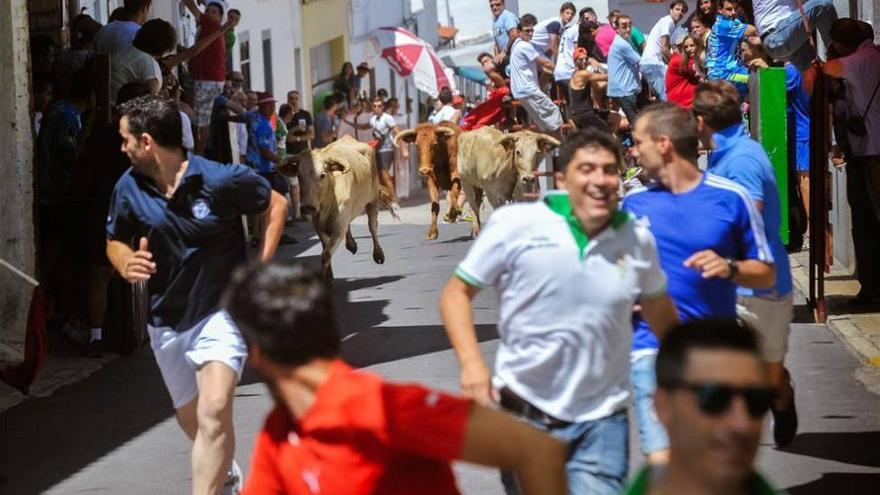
(282, 19)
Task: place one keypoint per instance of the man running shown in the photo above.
(337, 430)
(185, 216)
(710, 238)
(743, 160)
(568, 271)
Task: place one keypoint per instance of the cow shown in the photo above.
(438, 151)
(499, 165)
(337, 183)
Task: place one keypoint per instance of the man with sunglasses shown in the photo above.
(526, 65)
(712, 395)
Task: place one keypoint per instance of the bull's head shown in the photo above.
(529, 148)
(425, 137)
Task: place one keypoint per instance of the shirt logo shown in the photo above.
(200, 209)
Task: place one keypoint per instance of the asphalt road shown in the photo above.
(114, 432)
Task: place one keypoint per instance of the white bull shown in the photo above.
(337, 184)
(499, 165)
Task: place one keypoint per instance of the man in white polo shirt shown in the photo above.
(568, 271)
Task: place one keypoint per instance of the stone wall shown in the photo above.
(16, 170)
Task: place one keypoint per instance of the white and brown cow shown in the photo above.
(437, 152)
(498, 165)
(337, 184)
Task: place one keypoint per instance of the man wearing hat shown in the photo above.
(208, 68)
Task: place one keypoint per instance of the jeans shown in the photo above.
(629, 106)
(644, 383)
(656, 77)
(598, 455)
(789, 41)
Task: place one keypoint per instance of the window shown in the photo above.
(267, 60)
(244, 48)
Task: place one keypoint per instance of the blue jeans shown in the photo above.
(789, 41)
(598, 455)
(656, 77)
(644, 383)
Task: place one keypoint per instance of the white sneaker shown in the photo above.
(234, 480)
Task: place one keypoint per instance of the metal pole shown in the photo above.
(819, 124)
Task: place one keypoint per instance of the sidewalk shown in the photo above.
(857, 326)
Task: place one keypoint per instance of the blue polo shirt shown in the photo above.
(196, 236)
(743, 160)
(501, 27)
(623, 69)
(717, 214)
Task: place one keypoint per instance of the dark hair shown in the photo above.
(130, 91)
(585, 10)
(284, 110)
(850, 32)
(155, 37)
(329, 101)
(718, 103)
(234, 11)
(445, 95)
(284, 309)
(131, 8)
(583, 139)
(527, 20)
(292, 91)
(82, 83)
(622, 16)
(484, 54)
(156, 116)
(567, 6)
(683, 4)
(708, 334)
(676, 123)
(83, 29)
(382, 91)
(215, 4)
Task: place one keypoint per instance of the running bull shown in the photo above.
(337, 184)
(498, 165)
(438, 151)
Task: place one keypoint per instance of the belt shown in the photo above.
(520, 407)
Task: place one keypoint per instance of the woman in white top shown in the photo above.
(447, 112)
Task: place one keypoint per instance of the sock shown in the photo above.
(96, 333)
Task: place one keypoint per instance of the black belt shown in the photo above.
(520, 407)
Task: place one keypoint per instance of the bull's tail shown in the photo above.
(386, 200)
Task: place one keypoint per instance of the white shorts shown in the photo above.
(206, 93)
(771, 318)
(180, 354)
(542, 111)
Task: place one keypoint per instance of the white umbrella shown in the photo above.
(409, 55)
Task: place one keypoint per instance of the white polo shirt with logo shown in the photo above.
(565, 303)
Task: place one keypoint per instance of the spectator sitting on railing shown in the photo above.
(724, 43)
(581, 110)
(782, 29)
(525, 66)
(447, 111)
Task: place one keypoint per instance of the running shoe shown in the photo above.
(234, 480)
(785, 422)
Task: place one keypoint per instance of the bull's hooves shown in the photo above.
(353, 249)
(431, 237)
(379, 257)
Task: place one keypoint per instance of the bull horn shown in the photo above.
(550, 140)
(446, 131)
(403, 135)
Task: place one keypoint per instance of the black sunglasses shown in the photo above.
(715, 398)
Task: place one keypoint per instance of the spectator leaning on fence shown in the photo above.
(525, 66)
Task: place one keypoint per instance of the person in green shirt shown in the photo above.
(637, 39)
(712, 395)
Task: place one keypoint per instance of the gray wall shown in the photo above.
(16, 168)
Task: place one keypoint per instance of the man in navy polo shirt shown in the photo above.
(186, 217)
(710, 238)
(743, 160)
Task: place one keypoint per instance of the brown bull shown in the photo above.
(437, 147)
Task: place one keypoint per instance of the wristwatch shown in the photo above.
(734, 268)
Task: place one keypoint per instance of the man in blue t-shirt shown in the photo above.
(504, 32)
(743, 160)
(710, 239)
(185, 218)
(799, 131)
(722, 61)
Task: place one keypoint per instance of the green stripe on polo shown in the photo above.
(468, 278)
(559, 203)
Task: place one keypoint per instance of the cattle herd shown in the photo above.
(341, 181)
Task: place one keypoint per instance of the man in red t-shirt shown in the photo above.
(208, 68)
(337, 430)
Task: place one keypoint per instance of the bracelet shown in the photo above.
(734, 268)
